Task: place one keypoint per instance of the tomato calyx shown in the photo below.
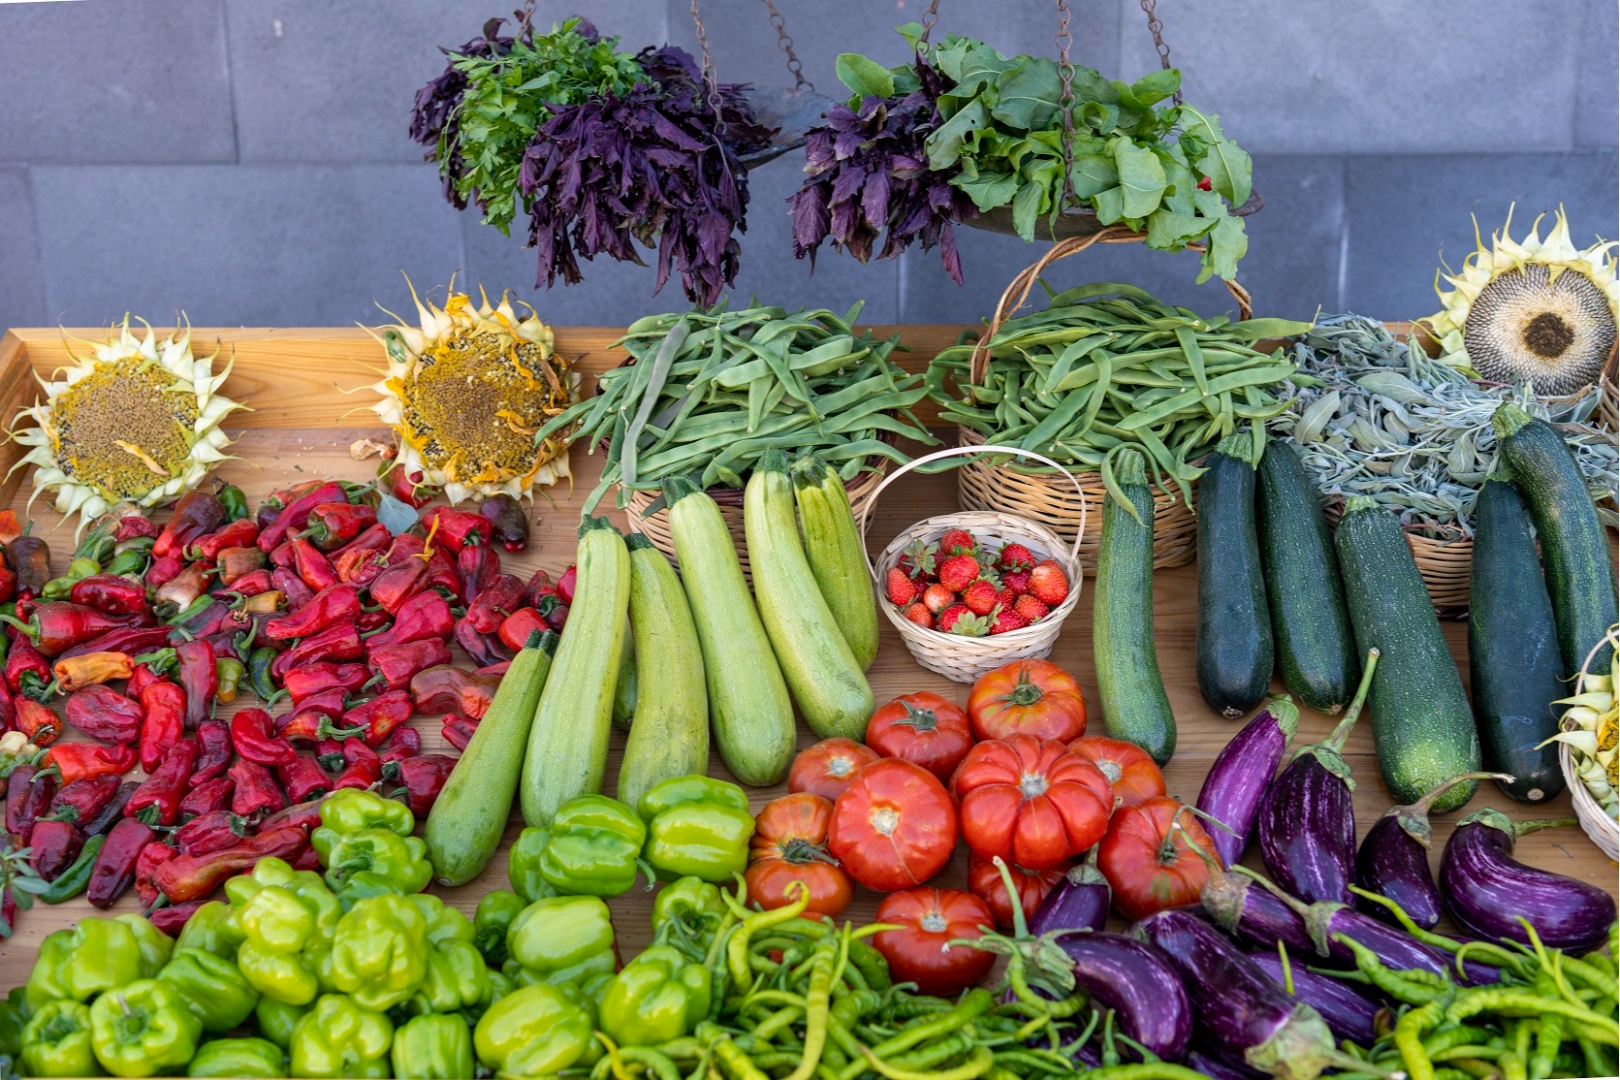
(1167, 854)
(1024, 692)
(921, 719)
(800, 852)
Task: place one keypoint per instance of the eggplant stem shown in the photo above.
(1423, 804)
(1524, 828)
(1335, 741)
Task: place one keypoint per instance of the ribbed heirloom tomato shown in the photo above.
(918, 953)
(1130, 769)
(826, 768)
(1031, 801)
(984, 881)
(790, 844)
(1029, 697)
(894, 826)
(1148, 857)
(924, 729)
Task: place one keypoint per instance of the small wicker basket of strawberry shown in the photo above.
(974, 590)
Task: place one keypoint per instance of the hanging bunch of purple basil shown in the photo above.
(433, 119)
(868, 176)
(647, 166)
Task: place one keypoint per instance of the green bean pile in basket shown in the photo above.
(711, 390)
(1107, 366)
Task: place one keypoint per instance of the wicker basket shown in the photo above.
(1608, 410)
(1598, 826)
(1046, 497)
(964, 659)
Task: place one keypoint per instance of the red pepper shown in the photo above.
(443, 689)
(74, 673)
(30, 559)
(401, 580)
(134, 641)
(8, 589)
(81, 800)
(360, 567)
(253, 584)
(369, 622)
(275, 502)
(41, 725)
(362, 768)
(162, 571)
(172, 918)
(183, 590)
(57, 626)
(197, 514)
(441, 575)
(206, 797)
(411, 488)
(191, 877)
(379, 716)
(304, 815)
(207, 615)
(290, 585)
(213, 750)
(85, 760)
(308, 679)
(296, 513)
(152, 857)
(509, 524)
(421, 779)
(27, 672)
(456, 529)
(236, 563)
(157, 800)
(110, 593)
(133, 526)
(477, 565)
(484, 649)
(565, 584)
(198, 675)
(502, 595)
(333, 524)
(334, 603)
(101, 712)
(53, 847)
(494, 669)
(143, 677)
(254, 739)
(458, 730)
(210, 832)
(338, 642)
(163, 721)
(256, 792)
(403, 743)
(303, 779)
(404, 546)
(282, 557)
(243, 532)
(374, 537)
(29, 791)
(8, 707)
(313, 567)
(316, 718)
(115, 865)
(395, 665)
(516, 627)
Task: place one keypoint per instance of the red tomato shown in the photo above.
(925, 729)
(1030, 697)
(984, 881)
(1148, 857)
(790, 844)
(1128, 767)
(931, 918)
(826, 768)
(894, 826)
(1031, 801)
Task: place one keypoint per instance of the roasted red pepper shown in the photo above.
(516, 627)
(172, 918)
(143, 677)
(333, 524)
(134, 641)
(253, 584)
(303, 779)
(254, 738)
(281, 558)
(74, 673)
(132, 526)
(404, 546)
(103, 713)
(379, 716)
(191, 877)
(456, 529)
(359, 568)
(8, 706)
(162, 571)
(57, 626)
(295, 515)
(484, 649)
(421, 778)
(502, 595)
(256, 791)
(565, 584)
(53, 847)
(336, 603)
(362, 768)
(458, 730)
(84, 760)
(213, 750)
(477, 565)
(206, 797)
(375, 537)
(115, 865)
(308, 679)
(112, 813)
(444, 689)
(277, 501)
(81, 800)
(180, 592)
(395, 665)
(244, 532)
(289, 584)
(304, 815)
(40, 724)
(8, 587)
(402, 579)
(403, 743)
(337, 643)
(27, 672)
(198, 675)
(316, 718)
(29, 791)
(152, 857)
(157, 800)
(313, 567)
(30, 559)
(369, 622)
(163, 721)
(411, 488)
(198, 513)
(236, 563)
(210, 832)
(509, 525)
(110, 593)
(441, 575)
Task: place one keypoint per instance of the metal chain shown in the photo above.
(1156, 28)
(710, 83)
(1066, 101)
(930, 17)
(785, 43)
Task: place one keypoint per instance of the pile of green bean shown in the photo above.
(1109, 365)
(711, 390)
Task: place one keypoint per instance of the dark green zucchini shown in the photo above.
(1135, 706)
(1574, 551)
(1234, 628)
(1309, 624)
(1422, 726)
(1513, 648)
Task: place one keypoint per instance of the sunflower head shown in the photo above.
(137, 421)
(1537, 310)
(466, 393)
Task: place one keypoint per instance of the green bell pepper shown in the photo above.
(696, 826)
(523, 866)
(56, 1041)
(496, 986)
(591, 847)
(213, 988)
(490, 922)
(97, 955)
(339, 1037)
(457, 977)
(238, 1057)
(154, 945)
(277, 1020)
(286, 917)
(143, 1029)
(349, 810)
(47, 981)
(534, 1031)
(563, 939)
(211, 928)
(692, 900)
(13, 1017)
(399, 862)
(659, 996)
(380, 953)
(434, 1047)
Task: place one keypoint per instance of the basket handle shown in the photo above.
(1017, 291)
(967, 451)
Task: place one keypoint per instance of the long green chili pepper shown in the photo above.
(76, 878)
(1409, 987)
(1514, 1001)
(816, 1004)
(979, 1063)
(1157, 1070)
(1409, 1032)
(737, 948)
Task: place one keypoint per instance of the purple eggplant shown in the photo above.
(1252, 913)
(1241, 1014)
(1393, 860)
(1135, 980)
(1307, 821)
(1080, 902)
(1237, 781)
(1351, 1013)
(1216, 1069)
(1487, 891)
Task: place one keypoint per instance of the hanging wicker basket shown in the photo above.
(1050, 499)
(958, 658)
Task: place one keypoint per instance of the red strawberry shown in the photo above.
(1017, 581)
(902, 590)
(937, 597)
(917, 560)
(1048, 583)
(958, 572)
(920, 615)
(1006, 619)
(980, 597)
(1031, 609)
(1006, 598)
(969, 625)
(958, 542)
(1015, 556)
(949, 617)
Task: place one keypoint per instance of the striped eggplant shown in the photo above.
(1242, 772)
(1351, 1013)
(1136, 981)
(1080, 901)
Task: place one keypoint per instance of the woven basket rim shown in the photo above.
(1603, 830)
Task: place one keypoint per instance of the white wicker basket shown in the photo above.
(963, 659)
(1598, 826)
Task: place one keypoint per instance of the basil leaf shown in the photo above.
(1141, 178)
(1170, 231)
(865, 78)
(1094, 173)
(1028, 94)
(1026, 207)
(945, 144)
(1227, 165)
(1156, 86)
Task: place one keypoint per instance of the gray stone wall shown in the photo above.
(247, 160)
